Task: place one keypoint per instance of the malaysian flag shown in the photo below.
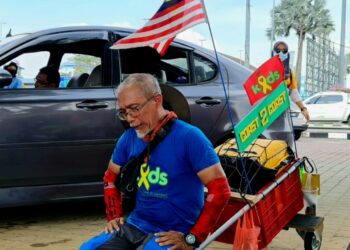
(173, 17)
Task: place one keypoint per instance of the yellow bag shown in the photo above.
(269, 153)
(310, 181)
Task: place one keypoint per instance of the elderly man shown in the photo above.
(170, 210)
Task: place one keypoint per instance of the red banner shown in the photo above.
(265, 79)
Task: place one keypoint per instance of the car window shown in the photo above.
(326, 99)
(312, 100)
(29, 65)
(75, 69)
(172, 68)
(204, 69)
(175, 64)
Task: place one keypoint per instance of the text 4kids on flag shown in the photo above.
(264, 80)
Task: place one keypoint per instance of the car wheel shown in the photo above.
(312, 242)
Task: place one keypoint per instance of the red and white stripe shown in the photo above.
(162, 28)
(162, 46)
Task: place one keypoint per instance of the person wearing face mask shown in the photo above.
(281, 48)
(16, 83)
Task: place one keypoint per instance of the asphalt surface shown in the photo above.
(66, 226)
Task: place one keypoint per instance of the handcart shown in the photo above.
(277, 205)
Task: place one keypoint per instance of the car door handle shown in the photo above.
(208, 101)
(91, 105)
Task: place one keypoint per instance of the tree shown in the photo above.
(84, 63)
(305, 17)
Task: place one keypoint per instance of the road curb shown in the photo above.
(328, 135)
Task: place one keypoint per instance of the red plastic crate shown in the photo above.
(274, 211)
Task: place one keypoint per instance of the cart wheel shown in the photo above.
(312, 242)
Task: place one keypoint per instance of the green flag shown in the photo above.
(262, 116)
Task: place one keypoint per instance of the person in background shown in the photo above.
(48, 77)
(281, 48)
(171, 211)
(12, 68)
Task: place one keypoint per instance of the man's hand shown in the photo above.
(114, 225)
(176, 239)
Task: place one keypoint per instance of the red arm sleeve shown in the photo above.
(112, 196)
(218, 196)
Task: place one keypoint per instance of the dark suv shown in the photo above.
(55, 143)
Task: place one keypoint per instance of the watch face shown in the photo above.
(190, 239)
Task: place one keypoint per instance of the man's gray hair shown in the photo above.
(147, 83)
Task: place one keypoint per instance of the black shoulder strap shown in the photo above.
(161, 134)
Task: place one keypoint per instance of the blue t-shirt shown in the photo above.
(15, 84)
(170, 195)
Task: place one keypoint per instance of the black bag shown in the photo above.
(127, 179)
(263, 160)
(257, 175)
(126, 183)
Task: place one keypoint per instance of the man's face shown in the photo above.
(41, 81)
(12, 69)
(141, 111)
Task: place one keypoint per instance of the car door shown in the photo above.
(64, 135)
(200, 86)
(329, 107)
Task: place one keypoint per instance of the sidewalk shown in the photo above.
(328, 130)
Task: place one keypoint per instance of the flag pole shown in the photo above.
(226, 97)
(219, 67)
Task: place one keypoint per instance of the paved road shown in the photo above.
(65, 226)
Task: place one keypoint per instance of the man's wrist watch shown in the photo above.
(303, 108)
(191, 240)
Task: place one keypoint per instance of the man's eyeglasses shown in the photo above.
(41, 82)
(133, 111)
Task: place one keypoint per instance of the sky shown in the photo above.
(226, 18)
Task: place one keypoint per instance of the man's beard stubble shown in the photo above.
(141, 135)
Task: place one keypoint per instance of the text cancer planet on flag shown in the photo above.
(261, 116)
(173, 17)
(264, 80)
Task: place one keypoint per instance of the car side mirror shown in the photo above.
(5, 78)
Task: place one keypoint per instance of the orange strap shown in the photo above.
(150, 136)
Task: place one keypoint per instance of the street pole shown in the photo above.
(202, 40)
(240, 56)
(1, 23)
(342, 63)
(247, 34)
(272, 25)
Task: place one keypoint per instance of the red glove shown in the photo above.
(218, 196)
(112, 196)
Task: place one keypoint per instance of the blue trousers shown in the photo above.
(129, 238)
